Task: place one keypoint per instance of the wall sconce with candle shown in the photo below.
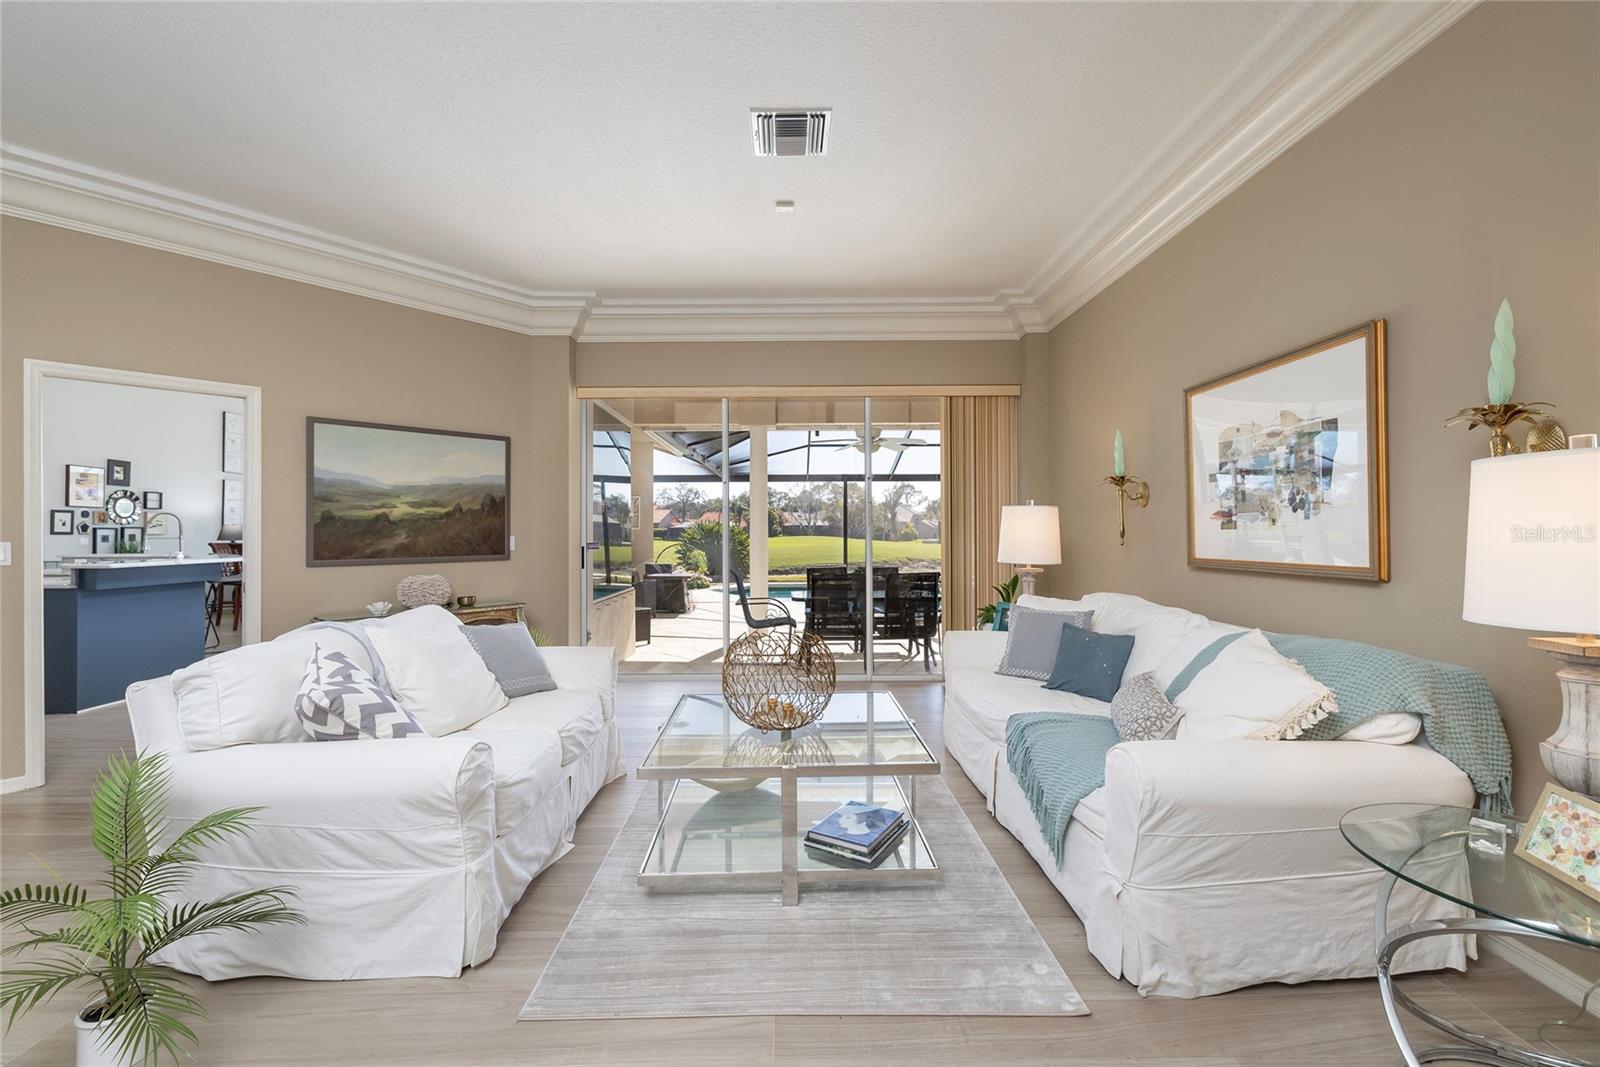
(1127, 487)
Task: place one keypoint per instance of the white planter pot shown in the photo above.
(91, 1053)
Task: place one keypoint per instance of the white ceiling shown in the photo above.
(598, 155)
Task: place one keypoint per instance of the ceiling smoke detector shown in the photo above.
(791, 133)
(784, 207)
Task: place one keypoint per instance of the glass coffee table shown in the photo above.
(734, 802)
(1432, 848)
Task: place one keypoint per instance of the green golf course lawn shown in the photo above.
(792, 555)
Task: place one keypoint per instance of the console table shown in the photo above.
(484, 611)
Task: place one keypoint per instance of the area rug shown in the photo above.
(959, 945)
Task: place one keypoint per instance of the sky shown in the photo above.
(401, 457)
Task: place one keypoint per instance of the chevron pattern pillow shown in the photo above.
(338, 701)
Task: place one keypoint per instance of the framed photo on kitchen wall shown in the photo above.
(1287, 462)
(377, 493)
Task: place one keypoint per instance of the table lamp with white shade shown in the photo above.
(1030, 537)
(1533, 562)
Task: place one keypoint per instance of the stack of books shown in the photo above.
(857, 834)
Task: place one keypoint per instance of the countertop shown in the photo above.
(125, 562)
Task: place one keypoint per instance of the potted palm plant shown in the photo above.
(106, 942)
(993, 615)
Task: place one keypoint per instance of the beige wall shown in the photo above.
(82, 299)
(1470, 173)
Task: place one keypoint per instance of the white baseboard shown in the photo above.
(19, 783)
(1557, 977)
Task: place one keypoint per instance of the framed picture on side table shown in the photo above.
(105, 540)
(1562, 839)
(1287, 462)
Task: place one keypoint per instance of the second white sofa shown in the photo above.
(407, 854)
(1204, 866)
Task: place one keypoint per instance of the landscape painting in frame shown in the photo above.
(397, 494)
(1287, 462)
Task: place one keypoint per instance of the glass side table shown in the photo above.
(1429, 846)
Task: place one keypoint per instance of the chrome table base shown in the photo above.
(1477, 1048)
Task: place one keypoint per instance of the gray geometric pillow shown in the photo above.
(507, 649)
(1140, 710)
(1033, 639)
(338, 701)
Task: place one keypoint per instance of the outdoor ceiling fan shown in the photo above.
(893, 444)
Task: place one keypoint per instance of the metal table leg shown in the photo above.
(1478, 1048)
(788, 805)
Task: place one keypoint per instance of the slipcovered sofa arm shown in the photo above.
(973, 648)
(405, 804)
(1177, 811)
(594, 667)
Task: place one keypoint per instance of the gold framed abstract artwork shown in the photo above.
(1562, 838)
(1287, 462)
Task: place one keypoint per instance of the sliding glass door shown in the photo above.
(828, 517)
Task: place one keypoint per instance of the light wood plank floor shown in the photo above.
(472, 1020)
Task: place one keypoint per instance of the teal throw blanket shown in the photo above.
(1459, 715)
(1058, 759)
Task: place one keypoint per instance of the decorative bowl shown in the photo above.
(379, 608)
(466, 601)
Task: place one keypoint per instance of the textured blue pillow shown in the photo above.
(1090, 664)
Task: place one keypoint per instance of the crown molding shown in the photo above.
(1002, 317)
(64, 193)
(1271, 103)
(1344, 63)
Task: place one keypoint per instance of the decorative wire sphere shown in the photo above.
(778, 678)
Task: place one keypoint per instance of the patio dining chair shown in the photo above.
(750, 620)
(831, 607)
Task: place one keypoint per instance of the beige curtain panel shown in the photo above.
(979, 456)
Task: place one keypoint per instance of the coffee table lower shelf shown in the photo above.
(723, 837)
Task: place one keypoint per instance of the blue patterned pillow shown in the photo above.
(338, 701)
(1090, 664)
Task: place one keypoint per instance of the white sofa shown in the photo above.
(407, 854)
(1204, 866)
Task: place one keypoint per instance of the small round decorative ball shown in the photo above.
(420, 589)
(778, 678)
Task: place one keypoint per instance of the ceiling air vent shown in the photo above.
(790, 133)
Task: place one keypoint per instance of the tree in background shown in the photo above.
(706, 536)
(775, 509)
(813, 504)
(684, 501)
(618, 510)
(739, 509)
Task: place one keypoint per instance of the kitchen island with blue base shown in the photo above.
(121, 621)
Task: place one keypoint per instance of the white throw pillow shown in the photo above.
(437, 676)
(1156, 628)
(428, 617)
(1252, 691)
(1191, 644)
(246, 697)
(1390, 728)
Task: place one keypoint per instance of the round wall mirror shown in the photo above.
(122, 508)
